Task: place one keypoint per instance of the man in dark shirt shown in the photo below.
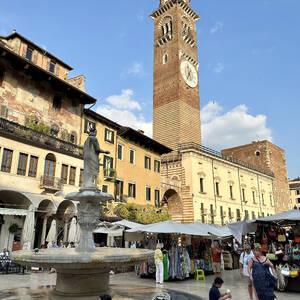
(214, 293)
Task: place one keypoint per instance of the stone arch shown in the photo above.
(15, 207)
(166, 25)
(172, 201)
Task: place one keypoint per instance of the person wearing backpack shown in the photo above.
(245, 257)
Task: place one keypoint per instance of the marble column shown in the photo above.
(43, 239)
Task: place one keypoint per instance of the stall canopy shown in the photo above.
(110, 229)
(286, 218)
(199, 229)
(238, 229)
(127, 224)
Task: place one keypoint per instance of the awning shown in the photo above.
(286, 218)
(13, 212)
(127, 224)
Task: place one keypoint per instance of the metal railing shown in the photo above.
(17, 130)
(51, 183)
(198, 147)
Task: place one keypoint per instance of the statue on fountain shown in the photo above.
(91, 151)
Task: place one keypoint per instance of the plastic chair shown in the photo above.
(199, 274)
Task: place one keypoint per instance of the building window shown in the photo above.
(271, 200)
(222, 215)
(57, 102)
(257, 153)
(148, 193)
(6, 160)
(105, 188)
(64, 173)
(246, 214)
(201, 185)
(238, 215)
(109, 136)
(297, 192)
(22, 164)
(156, 166)
(263, 199)
(33, 166)
(49, 169)
(229, 213)
(54, 130)
(119, 185)
(132, 156)
(212, 214)
(253, 215)
(202, 213)
(148, 162)
(120, 152)
(72, 176)
(52, 66)
(131, 190)
(253, 197)
(80, 177)
(263, 214)
(73, 138)
(231, 191)
(165, 59)
(243, 195)
(108, 162)
(29, 53)
(88, 125)
(157, 198)
(217, 189)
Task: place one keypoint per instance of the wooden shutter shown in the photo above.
(134, 191)
(112, 137)
(24, 50)
(35, 56)
(57, 70)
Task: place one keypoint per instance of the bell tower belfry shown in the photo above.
(176, 103)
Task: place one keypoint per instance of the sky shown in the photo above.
(249, 73)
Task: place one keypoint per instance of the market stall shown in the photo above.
(186, 247)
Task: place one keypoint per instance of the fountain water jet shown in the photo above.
(83, 272)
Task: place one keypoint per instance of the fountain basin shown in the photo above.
(81, 275)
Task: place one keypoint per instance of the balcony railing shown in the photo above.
(195, 146)
(51, 183)
(23, 132)
(109, 174)
(121, 198)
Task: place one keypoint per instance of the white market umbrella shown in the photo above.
(78, 235)
(52, 234)
(72, 231)
(28, 229)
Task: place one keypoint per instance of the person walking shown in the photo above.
(245, 257)
(158, 256)
(214, 292)
(259, 271)
(216, 253)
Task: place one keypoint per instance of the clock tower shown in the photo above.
(176, 103)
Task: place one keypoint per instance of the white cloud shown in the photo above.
(236, 127)
(123, 110)
(135, 69)
(141, 17)
(124, 101)
(219, 68)
(217, 27)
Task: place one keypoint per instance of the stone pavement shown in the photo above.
(200, 288)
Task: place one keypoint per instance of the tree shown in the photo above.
(144, 214)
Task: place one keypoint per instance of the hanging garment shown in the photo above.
(166, 266)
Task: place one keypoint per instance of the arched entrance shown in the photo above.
(172, 201)
(65, 212)
(14, 207)
(44, 212)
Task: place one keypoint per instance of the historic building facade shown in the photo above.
(40, 131)
(295, 192)
(131, 172)
(200, 184)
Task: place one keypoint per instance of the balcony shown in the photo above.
(110, 174)
(51, 183)
(28, 135)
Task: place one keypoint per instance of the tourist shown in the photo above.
(259, 270)
(216, 253)
(245, 257)
(214, 292)
(158, 256)
(53, 245)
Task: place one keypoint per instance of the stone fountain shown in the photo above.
(83, 272)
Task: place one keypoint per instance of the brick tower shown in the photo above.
(176, 103)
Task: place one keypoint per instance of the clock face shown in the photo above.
(189, 73)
